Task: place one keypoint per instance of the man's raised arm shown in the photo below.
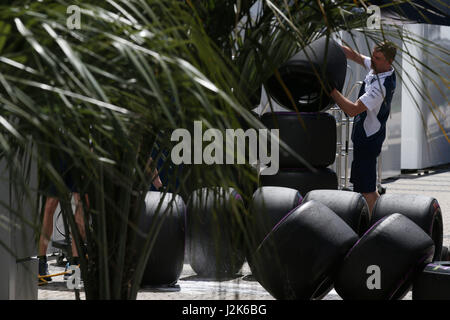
(353, 55)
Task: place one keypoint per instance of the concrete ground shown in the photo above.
(435, 183)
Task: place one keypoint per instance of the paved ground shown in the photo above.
(436, 183)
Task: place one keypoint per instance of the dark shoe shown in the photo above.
(43, 270)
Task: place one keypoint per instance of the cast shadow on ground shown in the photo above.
(202, 278)
(162, 288)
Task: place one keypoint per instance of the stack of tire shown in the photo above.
(214, 220)
(216, 232)
(303, 247)
(308, 131)
(433, 283)
(210, 227)
(312, 136)
(298, 243)
(162, 238)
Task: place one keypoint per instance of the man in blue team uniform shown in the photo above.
(371, 112)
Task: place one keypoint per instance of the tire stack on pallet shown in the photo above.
(308, 131)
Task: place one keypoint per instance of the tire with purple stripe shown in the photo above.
(384, 262)
(433, 283)
(268, 206)
(167, 214)
(350, 206)
(303, 180)
(311, 135)
(299, 257)
(216, 232)
(423, 210)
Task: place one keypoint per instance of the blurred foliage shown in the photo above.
(107, 96)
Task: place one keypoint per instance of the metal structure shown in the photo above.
(18, 262)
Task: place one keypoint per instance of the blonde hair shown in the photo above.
(388, 49)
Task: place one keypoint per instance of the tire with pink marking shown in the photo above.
(423, 210)
(384, 262)
(300, 256)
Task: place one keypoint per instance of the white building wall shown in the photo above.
(425, 100)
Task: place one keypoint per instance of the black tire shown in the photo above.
(398, 247)
(215, 232)
(166, 259)
(268, 207)
(302, 75)
(433, 283)
(311, 135)
(350, 206)
(242, 178)
(300, 256)
(302, 180)
(424, 211)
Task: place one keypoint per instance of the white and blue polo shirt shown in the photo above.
(376, 93)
